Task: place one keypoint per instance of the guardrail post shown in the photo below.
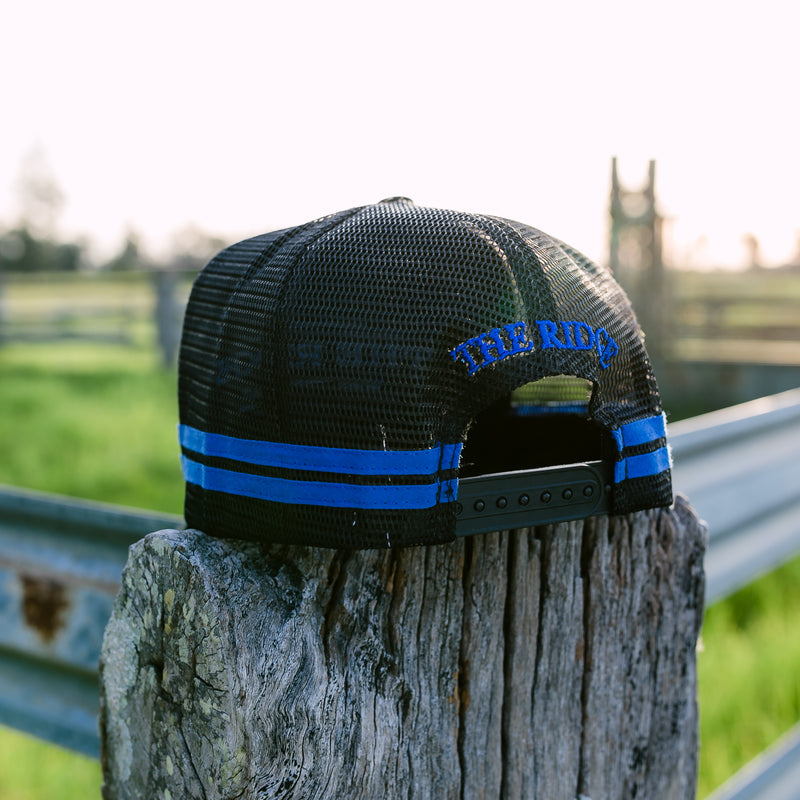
(555, 662)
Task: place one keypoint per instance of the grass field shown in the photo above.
(95, 422)
(34, 770)
(748, 673)
(90, 421)
(99, 422)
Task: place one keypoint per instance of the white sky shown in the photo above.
(244, 117)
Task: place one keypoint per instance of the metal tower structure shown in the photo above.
(635, 253)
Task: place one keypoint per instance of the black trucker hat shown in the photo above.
(396, 375)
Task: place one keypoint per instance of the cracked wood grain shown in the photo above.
(540, 664)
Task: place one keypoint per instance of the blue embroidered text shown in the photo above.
(509, 340)
(577, 336)
(492, 346)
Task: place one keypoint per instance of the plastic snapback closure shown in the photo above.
(506, 500)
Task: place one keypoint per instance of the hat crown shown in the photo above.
(388, 329)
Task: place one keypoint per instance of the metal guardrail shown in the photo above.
(61, 560)
(60, 566)
(738, 466)
(773, 775)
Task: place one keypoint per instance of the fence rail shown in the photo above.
(61, 560)
(773, 775)
(738, 466)
(103, 308)
(60, 565)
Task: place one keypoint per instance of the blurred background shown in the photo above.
(138, 141)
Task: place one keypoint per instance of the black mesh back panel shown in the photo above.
(330, 374)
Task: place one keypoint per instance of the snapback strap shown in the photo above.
(521, 499)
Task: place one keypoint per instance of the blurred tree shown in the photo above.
(753, 248)
(39, 196)
(33, 243)
(131, 256)
(22, 251)
(192, 248)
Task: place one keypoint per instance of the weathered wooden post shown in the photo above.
(371, 610)
(554, 662)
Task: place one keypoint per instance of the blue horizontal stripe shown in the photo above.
(318, 493)
(321, 459)
(642, 466)
(640, 432)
